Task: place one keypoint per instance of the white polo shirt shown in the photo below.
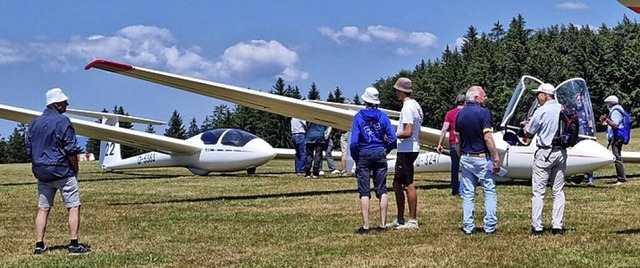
(544, 123)
(411, 113)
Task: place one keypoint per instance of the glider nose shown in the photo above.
(588, 155)
(262, 149)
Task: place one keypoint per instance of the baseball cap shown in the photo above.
(403, 84)
(612, 99)
(55, 95)
(371, 95)
(545, 88)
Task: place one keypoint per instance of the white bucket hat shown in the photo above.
(371, 95)
(55, 95)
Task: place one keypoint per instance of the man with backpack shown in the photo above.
(618, 132)
(550, 160)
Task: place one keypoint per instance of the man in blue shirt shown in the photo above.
(614, 121)
(52, 146)
(372, 137)
(479, 159)
(549, 161)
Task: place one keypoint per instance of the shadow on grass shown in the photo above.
(264, 196)
(628, 231)
(140, 177)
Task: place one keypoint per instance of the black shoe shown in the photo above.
(39, 250)
(79, 250)
(381, 229)
(362, 230)
(557, 231)
(495, 231)
(535, 233)
(468, 233)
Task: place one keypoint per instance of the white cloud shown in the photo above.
(259, 56)
(383, 34)
(460, 42)
(11, 53)
(157, 47)
(572, 5)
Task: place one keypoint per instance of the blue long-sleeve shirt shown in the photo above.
(50, 140)
(368, 131)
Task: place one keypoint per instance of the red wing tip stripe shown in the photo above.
(109, 65)
(635, 8)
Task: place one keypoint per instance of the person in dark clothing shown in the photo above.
(372, 137)
(315, 139)
(52, 146)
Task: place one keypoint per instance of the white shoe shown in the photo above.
(410, 224)
(394, 224)
(321, 173)
(335, 171)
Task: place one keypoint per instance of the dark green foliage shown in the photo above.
(193, 128)
(175, 127)
(15, 147)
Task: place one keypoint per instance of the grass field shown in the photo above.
(170, 218)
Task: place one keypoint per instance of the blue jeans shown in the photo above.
(330, 163)
(301, 152)
(475, 169)
(456, 187)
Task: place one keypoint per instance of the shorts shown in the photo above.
(68, 190)
(344, 143)
(404, 167)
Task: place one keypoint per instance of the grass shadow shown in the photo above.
(628, 231)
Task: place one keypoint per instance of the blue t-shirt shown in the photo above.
(50, 140)
(472, 123)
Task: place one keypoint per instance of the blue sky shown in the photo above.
(346, 44)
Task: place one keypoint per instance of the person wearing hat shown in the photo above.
(479, 160)
(550, 160)
(613, 121)
(408, 131)
(372, 137)
(449, 126)
(52, 146)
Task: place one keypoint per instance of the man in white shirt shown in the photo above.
(411, 117)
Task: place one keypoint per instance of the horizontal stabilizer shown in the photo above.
(119, 117)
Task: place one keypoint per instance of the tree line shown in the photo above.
(606, 57)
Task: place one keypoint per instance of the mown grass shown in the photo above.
(170, 218)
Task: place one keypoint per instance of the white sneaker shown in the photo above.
(335, 171)
(393, 224)
(410, 224)
(321, 173)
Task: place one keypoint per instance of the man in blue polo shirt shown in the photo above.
(549, 161)
(52, 146)
(479, 159)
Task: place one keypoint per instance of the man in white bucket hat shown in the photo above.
(52, 146)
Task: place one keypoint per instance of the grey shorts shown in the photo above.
(68, 190)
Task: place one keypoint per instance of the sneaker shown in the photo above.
(335, 171)
(39, 250)
(395, 223)
(321, 173)
(495, 231)
(410, 224)
(620, 182)
(79, 250)
(557, 231)
(382, 229)
(362, 230)
(591, 184)
(535, 233)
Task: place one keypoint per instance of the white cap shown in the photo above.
(371, 95)
(55, 95)
(545, 88)
(613, 99)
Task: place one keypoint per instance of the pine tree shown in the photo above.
(3, 150)
(193, 128)
(314, 93)
(16, 148)
(150, 129)
(175, 128)
(126, 151)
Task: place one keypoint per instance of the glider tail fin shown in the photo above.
(109, 154)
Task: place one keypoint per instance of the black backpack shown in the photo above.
(568, 128)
